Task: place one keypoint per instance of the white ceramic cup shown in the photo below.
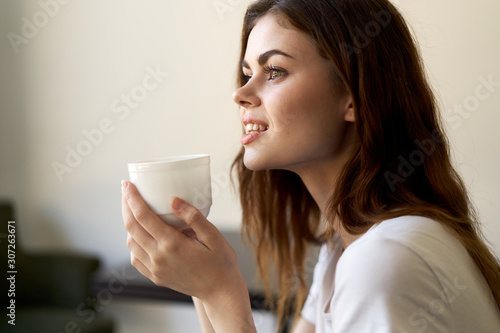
(186, 177)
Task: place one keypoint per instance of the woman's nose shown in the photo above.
(246, 96)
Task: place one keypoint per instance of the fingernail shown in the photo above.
(124, 185)
(177, 203)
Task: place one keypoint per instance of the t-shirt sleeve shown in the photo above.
(383, 286)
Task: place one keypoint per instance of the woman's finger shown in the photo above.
(140, 267)
(148, 220)
(135, 229)
(138, 251)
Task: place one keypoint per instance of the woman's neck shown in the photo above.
(320, 182)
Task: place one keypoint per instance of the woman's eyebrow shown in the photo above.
(265, 56)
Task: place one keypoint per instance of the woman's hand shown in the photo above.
(200, 263)
(203, 266)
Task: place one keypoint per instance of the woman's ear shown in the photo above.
(349, 111)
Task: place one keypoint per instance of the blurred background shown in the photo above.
(87, 86)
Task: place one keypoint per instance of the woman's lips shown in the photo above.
(254, 128)
(250, 137)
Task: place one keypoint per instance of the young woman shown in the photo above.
(342, 147)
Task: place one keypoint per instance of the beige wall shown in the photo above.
(72, 72)
(69, 76)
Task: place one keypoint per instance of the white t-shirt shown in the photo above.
(404, 275)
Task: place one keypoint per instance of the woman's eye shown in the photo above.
(274, 73)
(246, 77)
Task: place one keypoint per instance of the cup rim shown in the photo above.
(169, 162)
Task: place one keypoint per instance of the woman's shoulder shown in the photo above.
(408, 228)
(407, 246)
(414, 267)
(417, 234)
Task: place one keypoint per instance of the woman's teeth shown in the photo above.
(254, 128)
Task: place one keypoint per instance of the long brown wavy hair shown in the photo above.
(400, 164)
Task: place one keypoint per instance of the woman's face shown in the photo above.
(294, 116)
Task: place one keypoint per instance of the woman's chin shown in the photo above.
(251, 165)
(256, 161)
(253, 162)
